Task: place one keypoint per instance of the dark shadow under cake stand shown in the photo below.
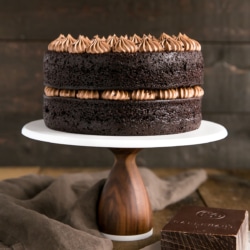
(124, 210)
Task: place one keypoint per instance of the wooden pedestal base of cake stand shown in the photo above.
(124, 207)
(124, 211)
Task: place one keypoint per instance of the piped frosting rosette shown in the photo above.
(124, 44)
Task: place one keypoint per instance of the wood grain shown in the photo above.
(205, 20)
(234, 188)
(124, 207)
(224, 188)
(15, 172)
(227, 77)
(221, 26)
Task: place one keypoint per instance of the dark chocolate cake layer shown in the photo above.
(123, 71)
(106, 117)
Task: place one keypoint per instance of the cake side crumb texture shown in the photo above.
(157, 70)
(104, 117)
(127, 85)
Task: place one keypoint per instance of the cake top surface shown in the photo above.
(195, 219)
(123, 44)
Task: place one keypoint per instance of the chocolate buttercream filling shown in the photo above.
(168, 94)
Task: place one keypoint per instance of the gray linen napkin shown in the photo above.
(40, 212)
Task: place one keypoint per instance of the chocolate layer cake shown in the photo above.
(123, 86)
(197, 228)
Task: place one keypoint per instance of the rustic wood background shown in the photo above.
(222, 27)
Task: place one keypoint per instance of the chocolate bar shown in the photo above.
(202, 228)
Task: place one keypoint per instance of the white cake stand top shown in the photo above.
(208, 132)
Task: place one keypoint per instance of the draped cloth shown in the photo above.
(40, 212)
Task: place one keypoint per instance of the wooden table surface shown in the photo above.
(223, 188)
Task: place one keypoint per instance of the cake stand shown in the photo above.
(124, 211)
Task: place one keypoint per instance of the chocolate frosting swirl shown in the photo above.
(168, 94)
(98, 46)
(80, 45)
(115, 95)
(111, 40)
(169, 43)
(187, 43)
(149, 44)
(136, 39)
(87, 94)
(48, 91)
(67, 93)
(181, 93)
(185, 93)
(143, 95)
(198, 91)
(123, 44)
(62, 43)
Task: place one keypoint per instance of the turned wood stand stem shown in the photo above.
(124, 207)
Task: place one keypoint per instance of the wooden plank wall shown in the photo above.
(222, 27)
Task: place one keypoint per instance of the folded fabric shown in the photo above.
(40, 212)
